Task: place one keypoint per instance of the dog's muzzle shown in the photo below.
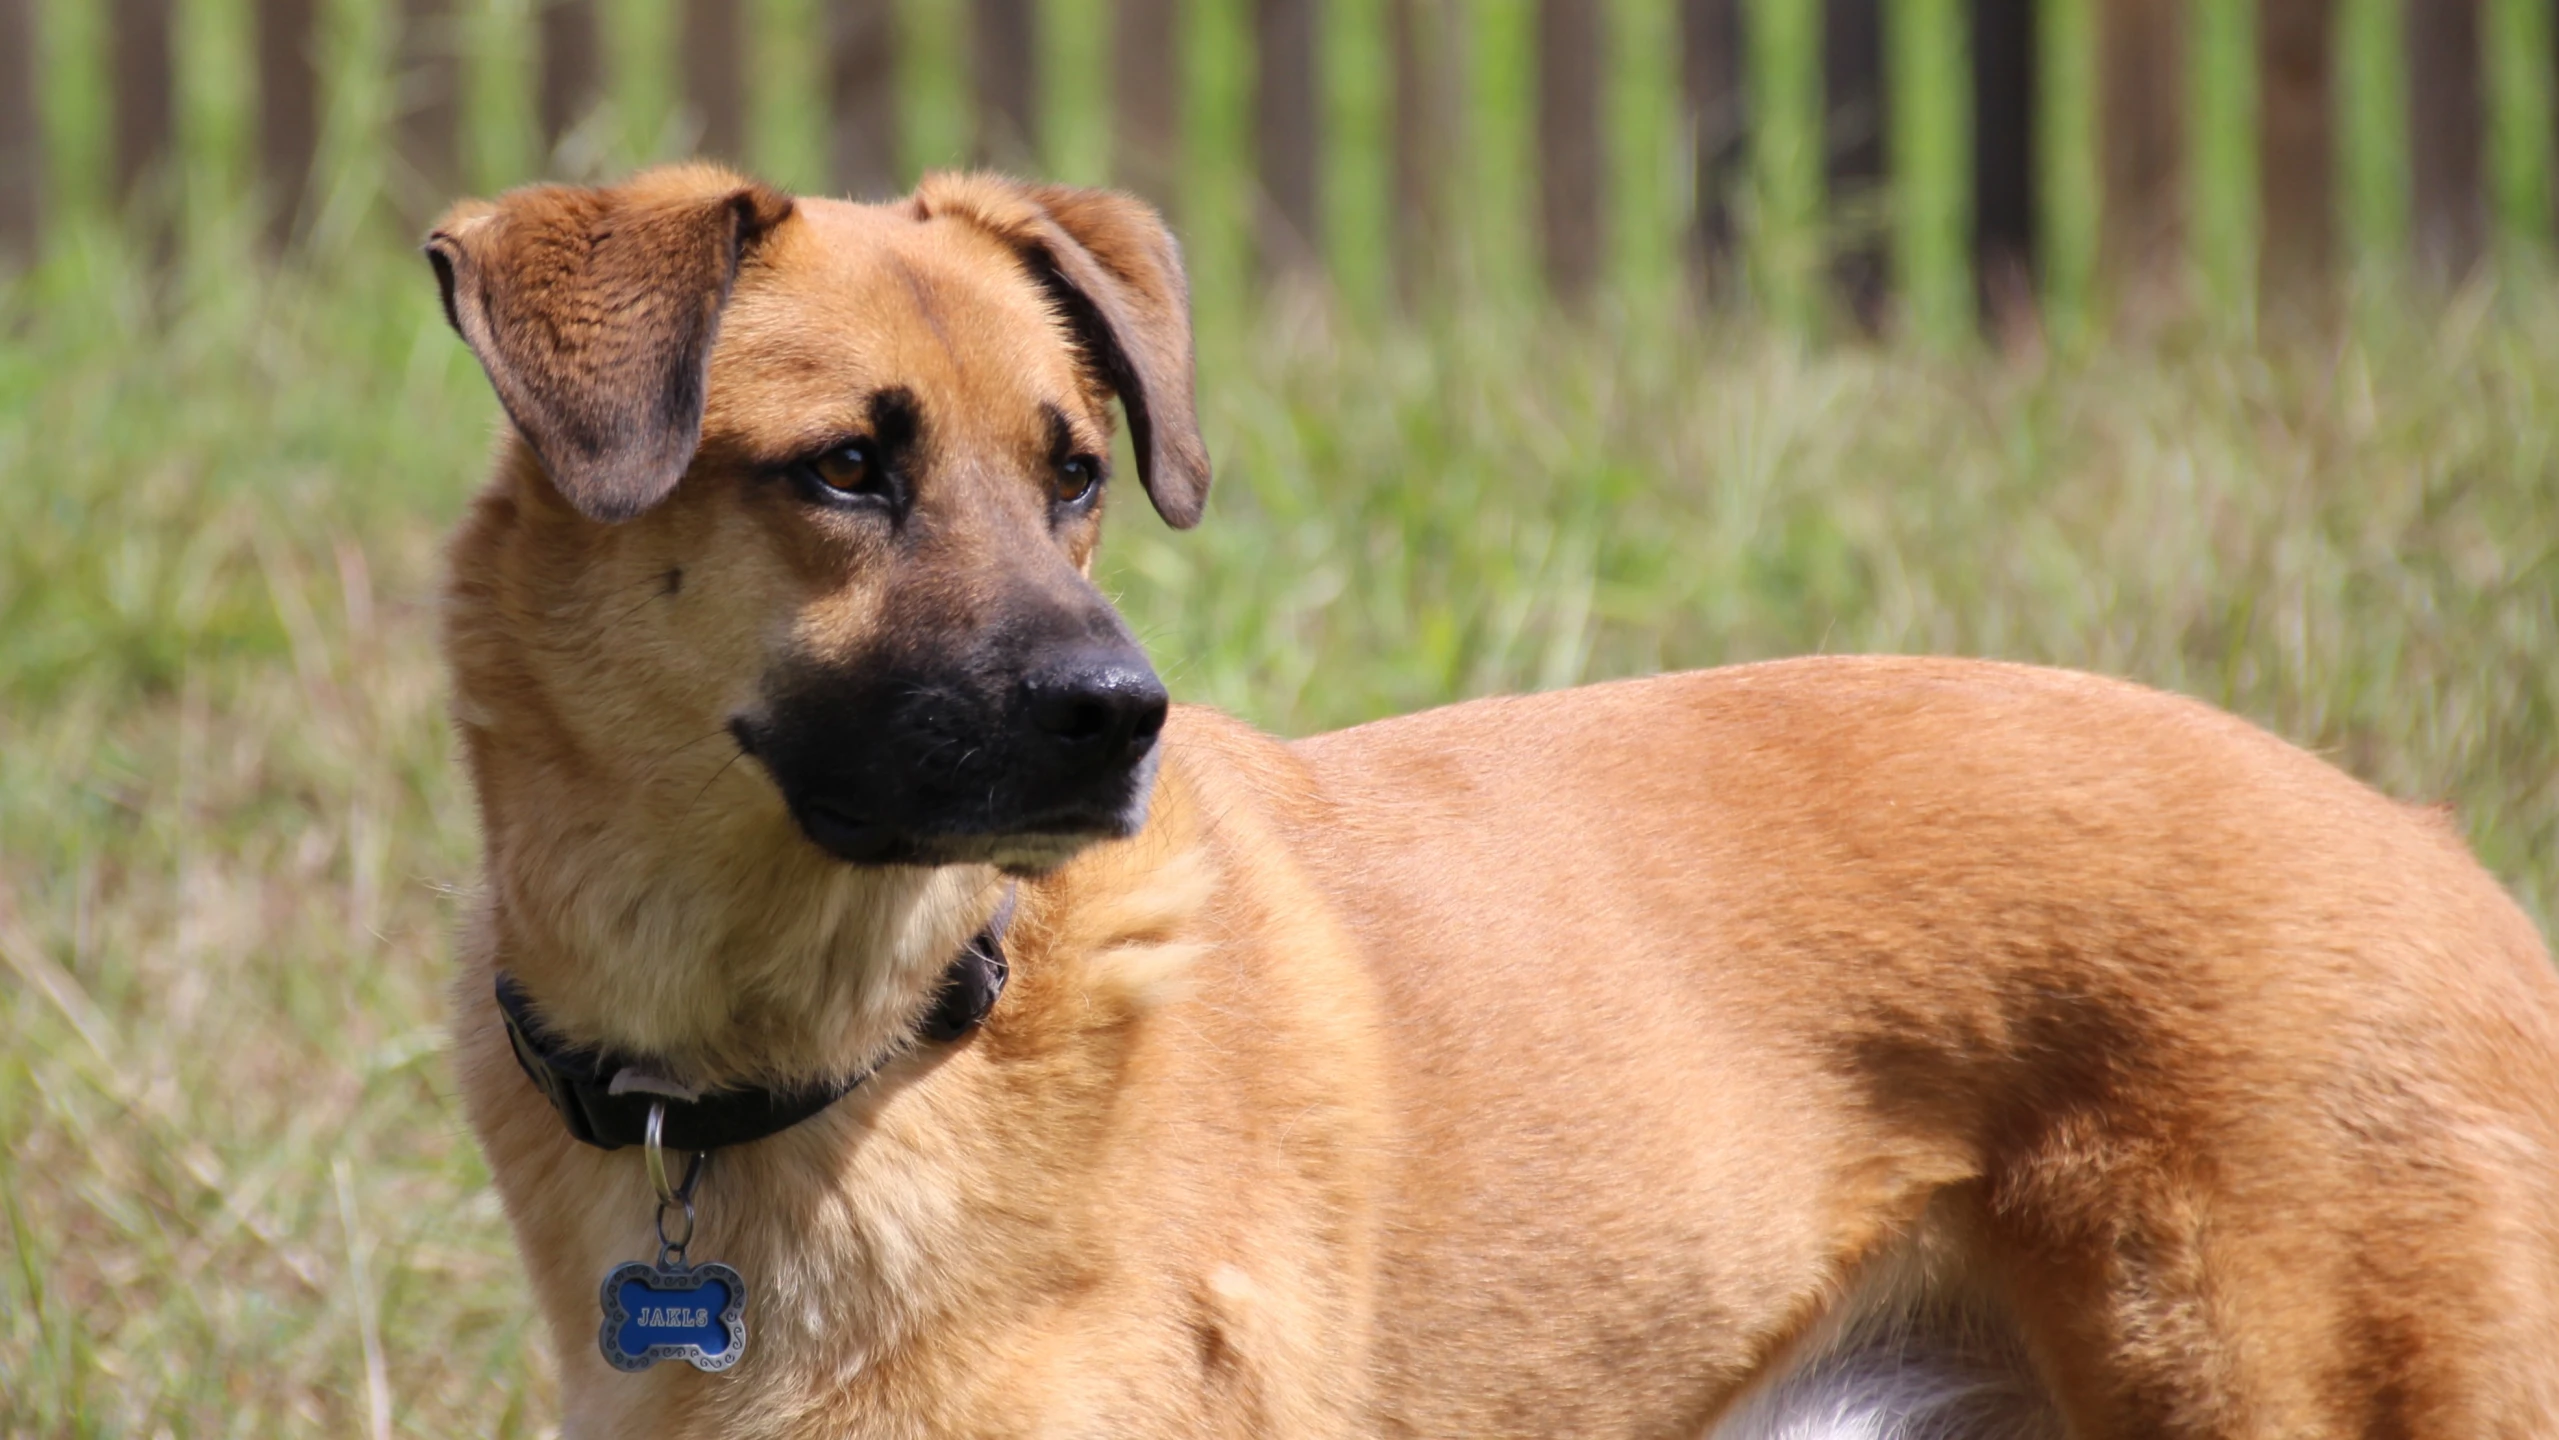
(898, 766)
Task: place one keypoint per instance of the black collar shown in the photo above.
(604, 1097)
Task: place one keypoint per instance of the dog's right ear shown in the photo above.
(594, 312)
(1116, 274)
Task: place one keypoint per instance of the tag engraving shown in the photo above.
(696, 1314)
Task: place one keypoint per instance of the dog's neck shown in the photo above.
(728, 961)
(707, 933)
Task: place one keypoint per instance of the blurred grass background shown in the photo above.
(238, 1197)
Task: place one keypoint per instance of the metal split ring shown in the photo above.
(670, 1197)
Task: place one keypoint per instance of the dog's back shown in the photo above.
(2230, 1086)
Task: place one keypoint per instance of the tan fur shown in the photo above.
(1559, 1065)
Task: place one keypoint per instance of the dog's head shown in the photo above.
(825, 479)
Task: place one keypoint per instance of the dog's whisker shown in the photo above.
(649, 771)
(656, 587)
(714, 780)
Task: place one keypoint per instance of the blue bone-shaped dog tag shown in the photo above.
(696, 1314)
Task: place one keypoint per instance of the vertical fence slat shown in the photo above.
(1427, 82)
(711, 58)
(1288, 208)
(1715, 112)
(1853, 159)
(1784, 246)
(22, 170)
(2518, 164)
(2143, 138)
(2372, 132)
(863, 134)
(1572, 153)
(2142, 142)
(1004, 70)
(288, 67)
(571, 68)
(427, 120)
(1146, 99)
(2296, 165)
(1929, 99)
(2445, 118)
(143, 78)
(2006, 101)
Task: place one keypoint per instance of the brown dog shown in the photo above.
(1812, 1044)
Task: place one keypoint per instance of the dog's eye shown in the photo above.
(850, 471)
(847, 469)
(1078, 476)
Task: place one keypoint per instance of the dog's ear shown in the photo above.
(1112, 266)
(594, 312)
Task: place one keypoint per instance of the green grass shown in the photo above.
(231, 833)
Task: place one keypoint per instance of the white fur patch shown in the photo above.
(1911, 1352)
(1908, 1387)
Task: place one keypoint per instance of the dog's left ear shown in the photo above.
(594, 312)
(1111, 264)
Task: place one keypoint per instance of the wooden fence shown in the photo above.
(2002, 79)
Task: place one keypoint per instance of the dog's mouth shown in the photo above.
(1029, 847)
(848, 836)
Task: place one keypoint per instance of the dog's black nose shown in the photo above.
(1100, 706)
